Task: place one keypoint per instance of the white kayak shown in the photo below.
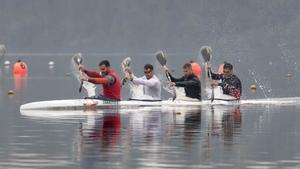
(81, 104)
(78, 104)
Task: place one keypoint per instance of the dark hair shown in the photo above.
(104, 62)
(187, 65)
(227, 66)
(148, 66)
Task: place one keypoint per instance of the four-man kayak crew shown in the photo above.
(107, 78)
(151, 84)
(189, 81)
(230, 83)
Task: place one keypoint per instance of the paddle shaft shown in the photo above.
(206, 54)
(163, 61)
(78, 60)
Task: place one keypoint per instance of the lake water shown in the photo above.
(257, 136)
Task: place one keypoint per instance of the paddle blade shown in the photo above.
(161, 58)
(126, 63)
(206, 53)
(77, 58)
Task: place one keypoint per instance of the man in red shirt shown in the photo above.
(107, 78)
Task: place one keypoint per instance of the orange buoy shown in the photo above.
(20, 68)
(196, 69)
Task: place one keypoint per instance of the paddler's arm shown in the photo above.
(89, 72)
(142, 81)
(102, 80)
(187, 83)
(213, 75)
(92, 74)
(173, 79)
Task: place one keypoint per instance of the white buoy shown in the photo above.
(51, 63)
(7, 63)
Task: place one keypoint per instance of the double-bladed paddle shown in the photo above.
(163, 61)
(125, 63)
(206, 54)
(77, 58)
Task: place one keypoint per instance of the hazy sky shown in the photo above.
(259, 37)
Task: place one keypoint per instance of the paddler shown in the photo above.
(229, 82)
(151, 84)
(107, 78)
(189, 81)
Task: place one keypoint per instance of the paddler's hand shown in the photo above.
(172, 84)
(83, 79)
(80, 67)
(128, 70)
(214, 83)
(209, 67)
(165, 68)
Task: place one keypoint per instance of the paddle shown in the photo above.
(125, 63)
(163, 61)
(77, 58)
(206, 54)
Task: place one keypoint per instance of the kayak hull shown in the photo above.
(81, 104)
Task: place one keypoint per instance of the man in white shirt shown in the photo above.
(151, 84)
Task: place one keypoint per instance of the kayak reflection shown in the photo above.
(136, 137)
(223, 126)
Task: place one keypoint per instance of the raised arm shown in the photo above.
(142, 81)
(173, 79)
(192, 82)
(109, 80)
(90, 73)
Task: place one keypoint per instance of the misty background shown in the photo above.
(260, 37)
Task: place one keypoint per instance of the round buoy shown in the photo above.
(51, 63)
(7, 63)
(20, 68)
(11, 92)
(196, 69)
(253, 88)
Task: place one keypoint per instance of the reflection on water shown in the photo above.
(205, 137)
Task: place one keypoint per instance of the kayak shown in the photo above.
(82, 104)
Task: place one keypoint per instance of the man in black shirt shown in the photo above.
(189, 81)
(230, 83)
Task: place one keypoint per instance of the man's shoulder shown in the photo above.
(156, 78)
(236, 77)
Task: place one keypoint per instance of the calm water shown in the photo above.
(265, 136)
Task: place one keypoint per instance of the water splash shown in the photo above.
(288, 57)
(261, 82)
